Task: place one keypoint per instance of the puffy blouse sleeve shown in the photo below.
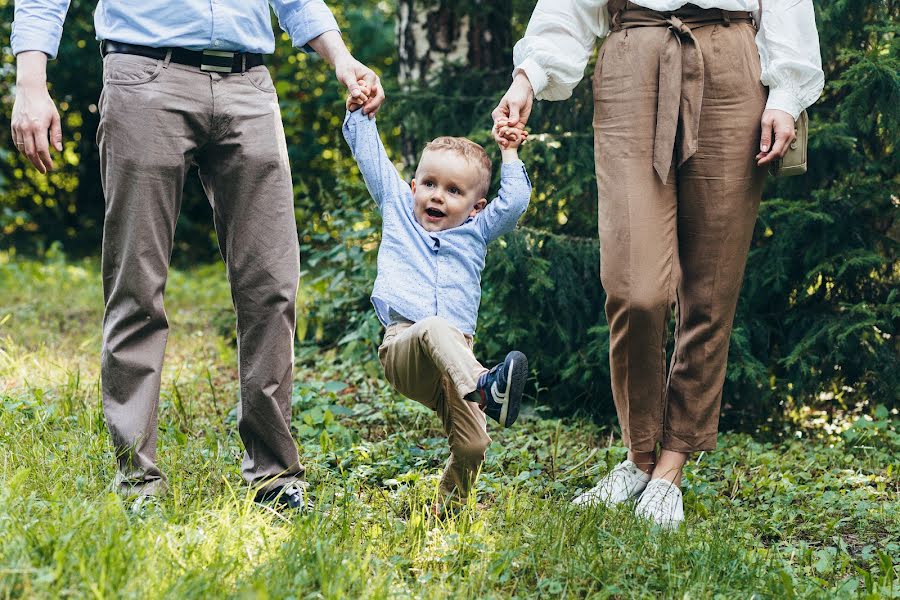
(558, 44)
(789, 53)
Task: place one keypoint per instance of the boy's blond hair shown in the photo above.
(469, 150)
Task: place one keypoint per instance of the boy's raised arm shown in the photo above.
(501, 214)
(379, 173)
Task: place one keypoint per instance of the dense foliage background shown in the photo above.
(818, 319)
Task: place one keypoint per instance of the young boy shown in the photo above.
(434, 238)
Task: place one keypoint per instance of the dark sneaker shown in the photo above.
(499, 391)
(292, 496)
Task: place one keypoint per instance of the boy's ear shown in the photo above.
(412, 185)
(479, 206)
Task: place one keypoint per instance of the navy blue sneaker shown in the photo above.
(499, 391)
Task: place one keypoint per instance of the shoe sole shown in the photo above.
(516, 375)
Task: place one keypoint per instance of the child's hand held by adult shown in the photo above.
(357, 101)
(509, 137)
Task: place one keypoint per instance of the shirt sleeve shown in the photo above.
(38, 25)
(501, 214)
(304, 20)
(558, 43)
(788, 45)
(379, 173)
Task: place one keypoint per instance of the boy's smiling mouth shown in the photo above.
(434, 213)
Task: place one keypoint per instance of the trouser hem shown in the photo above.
(642, 444)
(690, 442)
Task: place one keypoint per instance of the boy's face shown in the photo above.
(445, 190)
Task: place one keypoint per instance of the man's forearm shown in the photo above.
(330, 46)
(34, 116)
(31, 68)
(350, 71)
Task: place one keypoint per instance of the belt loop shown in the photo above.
(726, 17)
(243, 62)
(615, 13)
(167, 59)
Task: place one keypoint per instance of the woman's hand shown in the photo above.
(782, 124)
(514, 107)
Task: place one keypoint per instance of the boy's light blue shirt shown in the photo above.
(421, 273)
(233, 25)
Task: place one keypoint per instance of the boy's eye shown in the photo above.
(429, 184)
(454, 190)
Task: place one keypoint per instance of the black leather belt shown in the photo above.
(220, 61)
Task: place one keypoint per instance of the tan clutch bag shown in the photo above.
(794, 161)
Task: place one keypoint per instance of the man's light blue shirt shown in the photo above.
(233, 25)
(429, 273)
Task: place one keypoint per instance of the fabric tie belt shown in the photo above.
(680, 75)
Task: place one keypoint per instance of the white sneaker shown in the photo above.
(661, 503)
(624, 482)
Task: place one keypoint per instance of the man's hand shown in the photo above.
(350, 71)
(356, 77)
(515, 106)
(34, 114)
(784, 133)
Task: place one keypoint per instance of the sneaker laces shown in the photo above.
(657, 500)
(619, 474)
(622, 472)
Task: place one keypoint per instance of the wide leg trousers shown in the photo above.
(681, 239)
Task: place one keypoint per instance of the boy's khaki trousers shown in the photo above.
(678, 103)
(158, 118)
(432, 362)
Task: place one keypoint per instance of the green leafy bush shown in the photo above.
(817, 324)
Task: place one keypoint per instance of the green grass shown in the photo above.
(812, 515)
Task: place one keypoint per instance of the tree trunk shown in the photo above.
(434, 35)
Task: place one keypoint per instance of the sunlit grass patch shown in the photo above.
(773, 519)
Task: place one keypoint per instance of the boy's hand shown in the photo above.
(513, 136)
(354, 104)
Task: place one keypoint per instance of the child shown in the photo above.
(434, 238)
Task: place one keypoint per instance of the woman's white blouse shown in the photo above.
(561, 36)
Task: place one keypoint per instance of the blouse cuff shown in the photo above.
(784, 100)
(535, 73)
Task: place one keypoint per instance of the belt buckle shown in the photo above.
(218, 61)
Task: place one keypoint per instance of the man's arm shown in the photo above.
(310, 23)
(381, 177)
(348, 70)
(38, 25)
(36, 32)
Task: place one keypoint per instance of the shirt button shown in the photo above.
(217, 43)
